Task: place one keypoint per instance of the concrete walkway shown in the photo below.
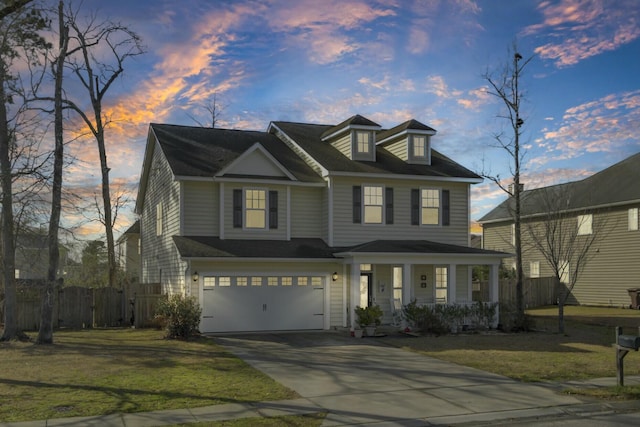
(368, 383)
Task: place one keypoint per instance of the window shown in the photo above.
(374, 198)
(302, 281)
(255, 202)
(372, 204)
(429, 207)
(564, 272)
(159, 219)
(208, 281)
(513, 234)
(241, 281)
(16, 273)
(365, 267)
(397, 286)
(441, 284)
(224, 281)
(272, 281)
(363, 141)
(633, 219)
(534, 269)
(585, 224)
(316, 281)
(419, 146)
(287, 281)
(256, 281)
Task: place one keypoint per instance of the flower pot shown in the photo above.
(370, 331)
(357, 333)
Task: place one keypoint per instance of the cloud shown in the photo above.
(603, 125)
(437, 86)
(476, 98)
(581, 29)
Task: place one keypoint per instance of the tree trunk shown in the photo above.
(562, 297)
(45, 333)
(8, 246)
(106, 200)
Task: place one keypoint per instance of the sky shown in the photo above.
(322, 61)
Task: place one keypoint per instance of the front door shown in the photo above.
(366, 290)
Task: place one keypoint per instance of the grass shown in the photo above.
(95, 372)
(584, 351)
(308, 420)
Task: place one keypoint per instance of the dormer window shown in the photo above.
(363, 145)
(419, 149)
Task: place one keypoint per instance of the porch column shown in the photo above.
(494, 296)
(407, 284)
(354, 299)
(451, 286)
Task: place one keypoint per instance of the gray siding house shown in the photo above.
(292, 228)
(608, 202)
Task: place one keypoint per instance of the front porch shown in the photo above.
(394, 279)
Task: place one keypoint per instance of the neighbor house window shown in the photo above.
(429, 206)
(534, 269)
(159, 219)
(255, 211)
(441, 284)
(633, 219)
(585, 224)
(513, 234)
(16, 273)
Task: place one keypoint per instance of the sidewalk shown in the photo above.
(306, 406)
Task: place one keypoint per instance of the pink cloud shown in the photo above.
(582, 29)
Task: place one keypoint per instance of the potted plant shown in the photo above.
(369, 318)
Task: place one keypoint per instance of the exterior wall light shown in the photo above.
(334, 276)
(195, 276)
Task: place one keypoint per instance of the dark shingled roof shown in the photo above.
(408, 125)
(203, 152)
(308, 137)
(214, 247)
(617, 184)
(353, 120)
(417, 246)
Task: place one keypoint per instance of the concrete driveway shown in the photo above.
(363, 381)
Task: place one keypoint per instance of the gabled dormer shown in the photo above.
(355, 138)
(410, 141)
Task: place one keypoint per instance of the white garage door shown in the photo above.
(261, 303)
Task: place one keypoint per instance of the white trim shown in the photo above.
(249, 180)
(330, 213)
(266, 208)
(181, 213)
(440, 207)
(405, 132)
(256, 147)
(288, 213)
(382, 206)
(350, 127)
(405, 177)
(221, 212)
(290, 141)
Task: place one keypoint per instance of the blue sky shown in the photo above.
(388, 60)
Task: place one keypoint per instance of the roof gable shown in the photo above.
(353, 122)
(256, 161)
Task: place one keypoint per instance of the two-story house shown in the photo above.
(292, 228)
(605, 205)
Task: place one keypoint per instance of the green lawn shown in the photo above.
(584, 351)
(94, 372)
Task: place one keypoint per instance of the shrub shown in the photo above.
(180, 314)
(425, 318)
(513, 321)
(368, 316)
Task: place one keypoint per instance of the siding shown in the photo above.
(614, 268)
(201, 213)
(306, 212)
(279, 233)
(343, 144)
(463, 282)
(399, 148)
(160, 260)
(347, 233)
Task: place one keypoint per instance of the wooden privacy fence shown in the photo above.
(78, 307)
(537, 292)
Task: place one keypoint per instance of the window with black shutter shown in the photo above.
(388, 201)
(237, 208)
(357, 204)
(446, 207)
(415, 206)
(273, 209)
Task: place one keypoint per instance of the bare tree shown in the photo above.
(45, 332)
(96, 75)
(214, 110)
(18, 32)
(505, 85)
(564, 237)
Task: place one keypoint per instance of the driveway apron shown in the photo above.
(364, 381)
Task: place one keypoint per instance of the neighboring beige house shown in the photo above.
(32, 256)
(291, 228)
(128, 252)
(608, 202)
